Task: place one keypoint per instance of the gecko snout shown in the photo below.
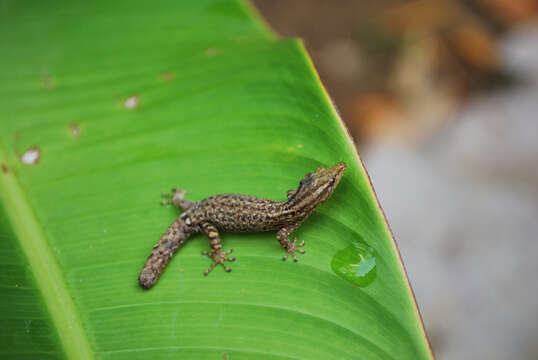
(337, 171)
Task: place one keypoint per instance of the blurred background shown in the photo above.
(441, 97)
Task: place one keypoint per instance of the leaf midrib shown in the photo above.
(44, 267)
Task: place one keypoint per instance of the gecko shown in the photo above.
(240, 213)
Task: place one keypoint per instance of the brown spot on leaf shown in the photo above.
(132, 102)
(167, 76)
(5, 170)
(49, 82)
(31, 156)
(212, 52)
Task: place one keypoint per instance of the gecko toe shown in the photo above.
(294, 257)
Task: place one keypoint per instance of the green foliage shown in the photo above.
(219, 104)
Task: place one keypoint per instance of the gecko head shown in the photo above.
(317, 187)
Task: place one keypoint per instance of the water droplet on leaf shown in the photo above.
(356, 263)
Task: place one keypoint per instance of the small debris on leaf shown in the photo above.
(31, 156)
(132, 102)
(75, 130)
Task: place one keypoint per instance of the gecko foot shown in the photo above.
(218, 258)
(176, 195)
(178, 199)
(291, 248)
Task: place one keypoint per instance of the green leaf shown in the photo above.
(122, 100)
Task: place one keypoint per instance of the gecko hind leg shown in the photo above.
(216, 253)
(178, 199)
(218, 258)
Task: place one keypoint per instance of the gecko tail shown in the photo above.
(170, 241)
(147, 278)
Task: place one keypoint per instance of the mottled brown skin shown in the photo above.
(240, 213)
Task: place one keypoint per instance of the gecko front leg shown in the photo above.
(216, 248)
(291, 247)
(178, 199)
